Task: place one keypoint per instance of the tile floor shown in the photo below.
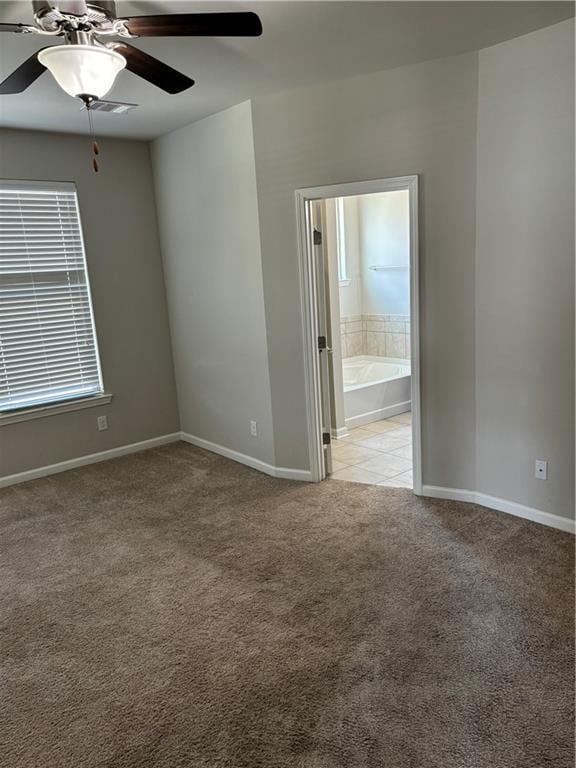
(377, 454)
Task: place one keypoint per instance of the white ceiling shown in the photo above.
(303, 42)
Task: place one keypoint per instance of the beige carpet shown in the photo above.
(174, 609)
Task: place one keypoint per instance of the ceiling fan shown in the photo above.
(87, 64)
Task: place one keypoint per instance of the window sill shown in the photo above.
(54, 409)
(344, 282)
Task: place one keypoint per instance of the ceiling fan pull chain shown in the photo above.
(95, 147)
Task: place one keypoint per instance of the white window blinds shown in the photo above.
(48, 349)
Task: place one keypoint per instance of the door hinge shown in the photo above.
(322, 343)
(317, 237)
(326, 439)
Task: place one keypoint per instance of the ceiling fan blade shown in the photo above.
(22, 77)
(153, 70)
(235, 24)
(14, 27)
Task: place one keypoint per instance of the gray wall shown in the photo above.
(208, 214)
(497, 303)
(525, 269)
(124, 262)
(418, 119)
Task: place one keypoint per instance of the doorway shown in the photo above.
(360, 309)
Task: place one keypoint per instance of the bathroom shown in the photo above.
(368, 246)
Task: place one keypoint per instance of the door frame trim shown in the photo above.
(309, 310)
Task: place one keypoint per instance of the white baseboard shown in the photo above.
(501, 505)
(303, 475)
(380, 413)
(123, 450)
(339, 432)
(285, 473)
(91, 458)
(242, 458)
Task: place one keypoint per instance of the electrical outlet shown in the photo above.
(541, 469)
(102, 422)
(254, 429)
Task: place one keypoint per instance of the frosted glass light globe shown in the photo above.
(83, 70)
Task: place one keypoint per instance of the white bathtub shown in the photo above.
(374, 388)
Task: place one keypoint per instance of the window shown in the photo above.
(341, 242)
(48, 348)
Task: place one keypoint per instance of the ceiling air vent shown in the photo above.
(116, 107)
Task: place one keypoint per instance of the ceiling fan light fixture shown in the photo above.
(83, 70)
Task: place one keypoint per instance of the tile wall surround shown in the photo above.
(381, 335)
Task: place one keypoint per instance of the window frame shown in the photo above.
(80, 401)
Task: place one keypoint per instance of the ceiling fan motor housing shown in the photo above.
(48, 15)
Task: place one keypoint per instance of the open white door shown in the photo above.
(324, 332)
